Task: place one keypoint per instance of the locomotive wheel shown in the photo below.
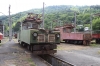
(65, 41)
(96, 41)
(31, 48)
(24, 45)
(99, 41)
(69, 41)
(28, 47)
(86, 42)
(20, 42)
(75, 42)
(78, 42)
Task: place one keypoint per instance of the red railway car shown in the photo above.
(1, 37)
(96, 36)
(74, 38)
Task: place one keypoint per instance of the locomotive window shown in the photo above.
(64, 30)
(29, 25)
(24, 27)
(35, 26)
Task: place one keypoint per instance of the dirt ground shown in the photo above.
(79, 55)
(12, 54)
(69, 47)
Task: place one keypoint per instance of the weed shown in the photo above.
(0, 44)
(98, 52)
(94, 45)
(31, 62)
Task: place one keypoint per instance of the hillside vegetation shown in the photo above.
(59, 15)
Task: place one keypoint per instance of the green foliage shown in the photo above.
(57, 15)
(96, 24)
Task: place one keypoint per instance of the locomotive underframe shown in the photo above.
(81, 42)
(44, 48)
(97, 40)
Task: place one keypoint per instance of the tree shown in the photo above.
(96, 24)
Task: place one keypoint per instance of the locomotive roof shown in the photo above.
(66, 26)
(32, 18)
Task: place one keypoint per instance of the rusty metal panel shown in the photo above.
(51, 38)
(68, 35)
(41, 38)
(96, 36)
(72, 36)
(99, 35)
(87, 36)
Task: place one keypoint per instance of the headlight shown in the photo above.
(58, 35)
(35, 34)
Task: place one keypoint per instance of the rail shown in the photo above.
(55, 61)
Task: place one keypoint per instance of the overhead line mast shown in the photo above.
(10, 25)
(43, 17)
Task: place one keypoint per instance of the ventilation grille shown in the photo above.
(51, 38)
(41, 38)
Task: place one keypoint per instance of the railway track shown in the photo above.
(55, 61)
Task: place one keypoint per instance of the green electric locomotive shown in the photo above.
(39, 41)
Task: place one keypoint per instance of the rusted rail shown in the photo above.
(54, 61)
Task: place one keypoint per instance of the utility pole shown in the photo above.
(21, 23)
(60, 22)
(3, 30)
(10, 26)
(51, 25)
(43, 16)
(75, 21)
(21, 26)
(91, 22)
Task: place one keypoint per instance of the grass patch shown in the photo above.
(31, 62)
(0, 44)
(94, 45)
(98, 52)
